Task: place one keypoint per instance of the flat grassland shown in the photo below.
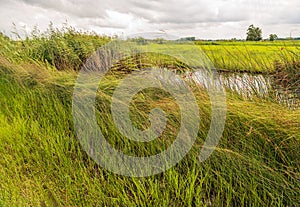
(243, 56)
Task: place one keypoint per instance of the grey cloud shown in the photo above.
(190, 11)
(179, 12)
(77, 8)
(197, 17)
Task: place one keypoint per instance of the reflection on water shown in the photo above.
(288, 98)
(247, 85)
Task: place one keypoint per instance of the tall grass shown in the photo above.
(286, 82)
(64, 48)
(287, 75)
(42, 163)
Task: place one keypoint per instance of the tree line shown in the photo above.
(255, 34)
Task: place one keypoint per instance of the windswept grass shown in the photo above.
(42, 163)
(64, 48)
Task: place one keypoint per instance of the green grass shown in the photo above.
(42, 163)
(67, 48)
(63, 48)
(253, 57)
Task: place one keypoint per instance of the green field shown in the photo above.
(253, 57)
(257, 57)
(42, 163)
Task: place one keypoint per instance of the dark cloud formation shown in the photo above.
(200, 18)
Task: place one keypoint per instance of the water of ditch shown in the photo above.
(249, 85)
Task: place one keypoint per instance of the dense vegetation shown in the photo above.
(63, 48)
(42, 164)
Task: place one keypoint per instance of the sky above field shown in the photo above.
(205, 19)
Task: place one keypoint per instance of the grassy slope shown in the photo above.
(256, 162)
(42, 162)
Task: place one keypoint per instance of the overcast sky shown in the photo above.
(208, 19)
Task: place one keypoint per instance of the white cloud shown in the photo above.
(201, 18)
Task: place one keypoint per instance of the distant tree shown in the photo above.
(140, 41)
(254, 33)
(187, 39)
(159, 40)
(273, 37)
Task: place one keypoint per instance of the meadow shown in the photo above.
(43, 164)
(251, 57)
